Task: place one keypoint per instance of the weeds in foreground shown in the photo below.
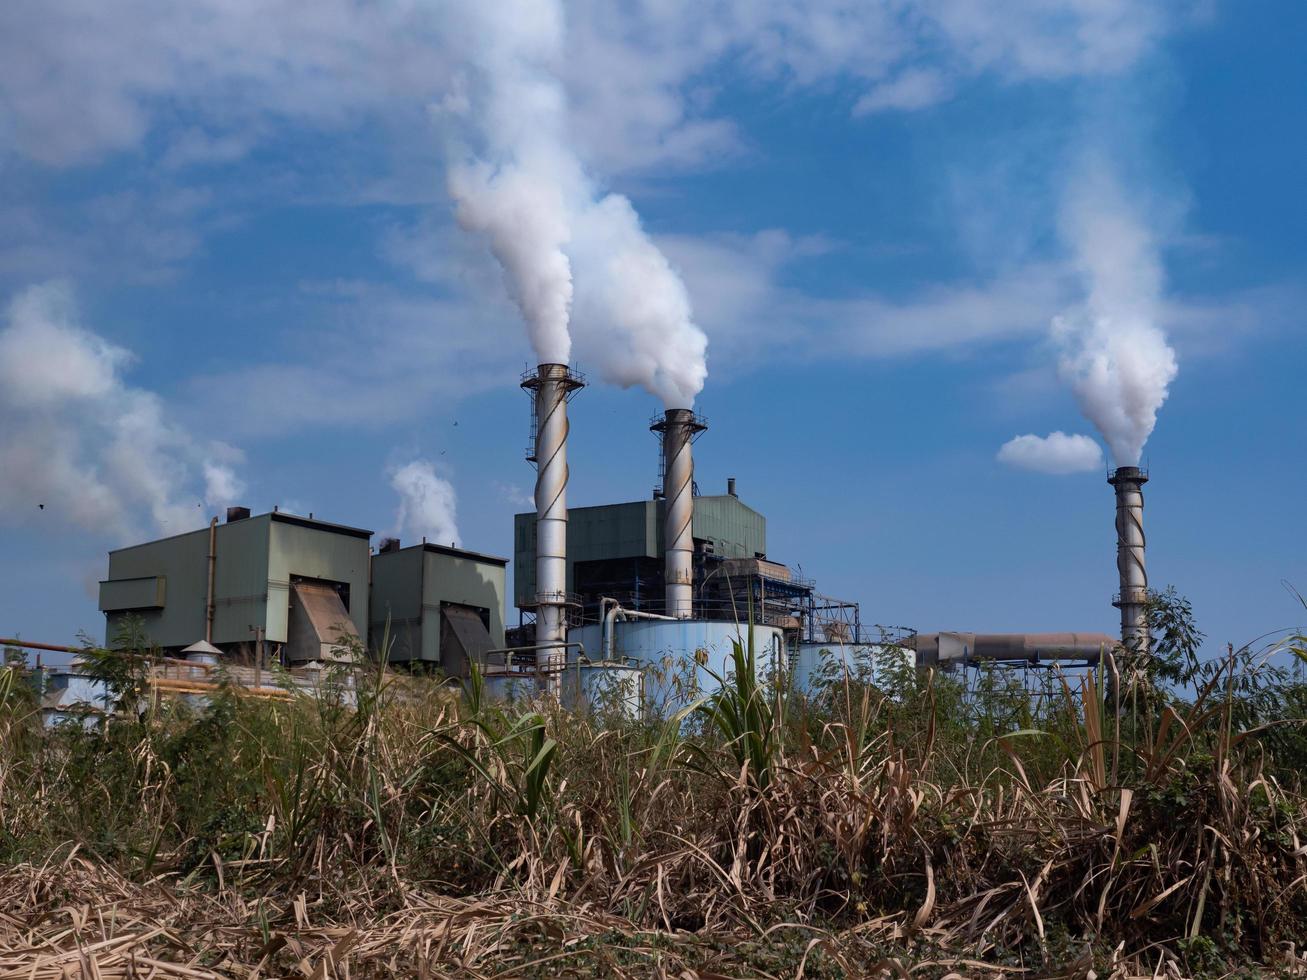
(884, 824)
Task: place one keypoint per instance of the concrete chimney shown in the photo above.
(1132, 600)
(551, 386)
(678, 428)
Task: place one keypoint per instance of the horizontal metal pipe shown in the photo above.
(956, 647)
(30, 645)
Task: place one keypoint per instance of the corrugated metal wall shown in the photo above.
(634, 529)
(313, 553)
(257, 557)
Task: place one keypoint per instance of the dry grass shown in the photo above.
(426, 835)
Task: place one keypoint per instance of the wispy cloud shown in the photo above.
(81, 446)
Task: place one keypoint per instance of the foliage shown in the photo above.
(888, 819)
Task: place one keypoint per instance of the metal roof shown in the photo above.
(276, 515)
(284, 518)
(441, 549)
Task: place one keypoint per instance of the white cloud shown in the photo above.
(80, 446)
(514, 495)
(368, 355)
(915, 88)
(46, 359)
(738, 286)
(81, 78)
(1056, 453)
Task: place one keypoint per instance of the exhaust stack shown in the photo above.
(678, 428)
(1132, 600)
(551, 386)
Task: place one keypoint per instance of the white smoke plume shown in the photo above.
(1055, 453)
(427, 503)
(633, 310)
(80, 446)
(1114, 353)
(519, 189)
(222, 487)
(517, 181)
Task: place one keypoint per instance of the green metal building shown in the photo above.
(302, 582)
(617, 549)
(442, 606)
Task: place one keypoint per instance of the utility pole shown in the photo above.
(258, 632)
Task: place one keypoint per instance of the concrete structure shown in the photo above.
(443, 606)
(1132, 600)
(296, 583)
(677, 429)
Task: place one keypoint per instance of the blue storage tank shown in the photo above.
(862, 661)
(679, 657)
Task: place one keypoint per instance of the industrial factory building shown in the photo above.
(298, 584)
(438, 606)
(617, 552)
(306, 589)
(646, 597)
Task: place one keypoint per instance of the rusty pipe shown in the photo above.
(209, 606)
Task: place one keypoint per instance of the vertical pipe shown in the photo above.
(551, 387)
(213, 561)
(678, 427)
(1128, 481)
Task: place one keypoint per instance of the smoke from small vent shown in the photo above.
(427, 503)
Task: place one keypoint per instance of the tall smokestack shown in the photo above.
(551, 387)
(678, 428)
(1133, 597)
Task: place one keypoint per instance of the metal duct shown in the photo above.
(1132, 600)
(551, 386)
(678, 427)
(946, 649)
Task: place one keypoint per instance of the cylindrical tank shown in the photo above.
(829, 662)
(679, 658)
(605, 687)
(1132, 600)
(510, 686)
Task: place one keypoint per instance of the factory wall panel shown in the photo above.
(240, 575)
(397, 598)
(632, 530)
(466, 582)
(182, 561)
(736, 529)
(129, 594)
(300, 551)
(524, 559)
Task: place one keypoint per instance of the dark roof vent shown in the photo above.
(237, 514)
(388, 545)
(730, 486)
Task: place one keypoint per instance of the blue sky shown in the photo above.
(226, 241)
